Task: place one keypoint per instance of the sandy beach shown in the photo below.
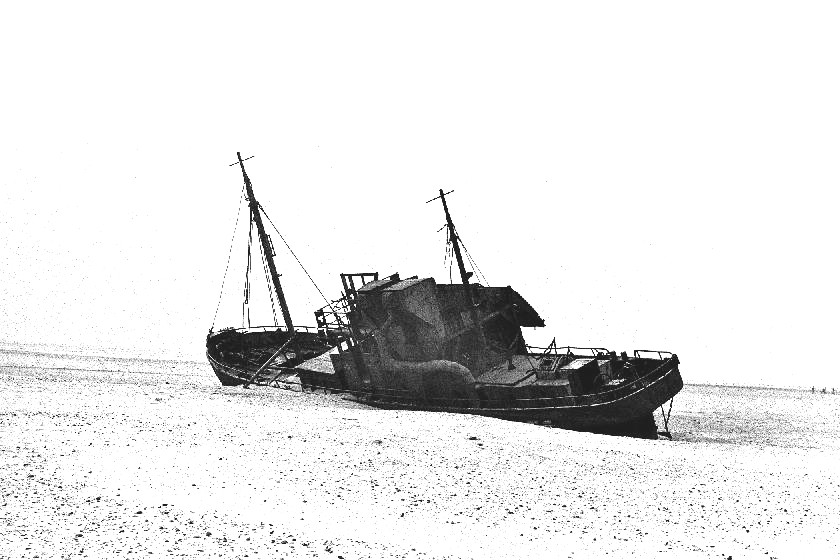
(108, 465)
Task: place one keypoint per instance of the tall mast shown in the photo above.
(465, 276)
(266, 247)
(456, 245)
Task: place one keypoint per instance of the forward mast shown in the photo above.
(256, 217)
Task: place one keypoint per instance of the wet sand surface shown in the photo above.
(108, 465)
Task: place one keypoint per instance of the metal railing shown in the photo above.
(269, 328)
(662, 354)
(568, 350)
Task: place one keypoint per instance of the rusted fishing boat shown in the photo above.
(415, 344)
(261, 355)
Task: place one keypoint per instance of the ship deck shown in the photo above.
(523, 372)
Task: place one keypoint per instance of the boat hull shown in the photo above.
(228, 376)
(630, 414)
(250, 356)
(626, 410)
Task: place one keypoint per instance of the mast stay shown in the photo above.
(265, 243)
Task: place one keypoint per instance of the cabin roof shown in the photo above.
(403, 284)
(374, 285)
(525, 314)
(498, 297)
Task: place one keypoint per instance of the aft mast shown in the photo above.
(266, 247)
(453, 236)
(456, 245)
(465, 276)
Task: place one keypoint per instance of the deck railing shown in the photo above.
(268, 328)
(559, 350)
(661, 354)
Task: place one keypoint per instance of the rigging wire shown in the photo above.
(227, 265)
(448, 255)
(472, 261)
(246, 309)
(329, 304)
(267, 273)
(475, 267)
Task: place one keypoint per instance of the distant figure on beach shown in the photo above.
(823, 390)
(813, 389)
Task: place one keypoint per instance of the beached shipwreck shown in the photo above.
(411, 343)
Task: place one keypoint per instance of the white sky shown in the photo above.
(647, 174)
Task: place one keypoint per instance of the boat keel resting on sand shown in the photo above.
(415, 344)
